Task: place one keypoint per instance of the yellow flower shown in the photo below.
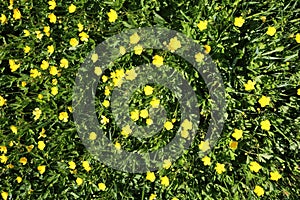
(54, 91)
(199, 57)
(52, 18)
(264, 101)
(204, 146)
(220, 168)
(72, 165)
(42, 133)
(271, 31)
(144, 113)
(158, 60)
(23, 160)
(92, 136)
(150, 176)
(72, 8)
(126, 130)
(152, 197)
(130, 74)
(174, 44)
(17, 14)
(4, 195)
(122, 50)
(106, 103)
(135, 115)
(104, 120)
(63, 116)
(263, 19)
(168, 125)
(80, 27)
(13, 65)
(233, 145)
(265, 125)
(149, 121)
(254, 166)
(206, 161)
(52, 4)
(207, 49)
(298, 91)
(11, 3)
(94, 57)
(39, 35)
(138, 49)
(86, 166)
(54, 82)
(167, 164)
(23, 83)
(98, 71)
(19, 179)
(184, 134)
(3, 19)
(79, 181)
(3, 149)
(26, 49)
(41, 145)
(155, 103)
(53, 71)
(134, 38)
(117, 145)
(50, 49)
(44, 65)
(2, 101)
(83, 36)
(239, 21)
(112, 15)
(104, 79)
(101, 186)
(47, 30)
(275, 176)
(297, 38)
(64, 63)
(26, 33)
(259, 191)
(29, 148)
(174, 198)
(237, 134)
(164, 181)
(250, 85)
(3, 159)
(148, 90)
(74, 42)
(187, 125)
(202, 25)
(37, 113)
(34, 73)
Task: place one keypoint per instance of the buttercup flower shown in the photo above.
(152, 197)
(14, 129)
(72, 165)
(3, 19)
(83, 36)
(126, 131)
(164, 181)
(254, 166)
(297, 38)
(275, 176)
(271, 31)
(72, 8)
(150, 176)
(63, 116)
(101, 186)
(144, 113)
(148, 90)
(199, 57)
(202, 25)
(112, 15)
(239, 21)
(86, 166)
(64, 63)
(134, 38)
(122, 50)
(265, 125)
(26, 49)
(174, 44)
(167, 164)
(250, 85)
(98, 71)
(104, 120)
(50, 49)
(298, 91)
(220, 168)
(36, 113)
(79, 181)
(233, 145)
(259, 191)
(19, 179)
(41, 145)
(207, 49)
(54, 91)
(3, 159)
(264, 101)
(3, 149)
(53, 71)
(80, 27)
(206, 160)
(117, 145)
(52, 4)
(158, 60)
(237, 134)
(155, 103)
(35, 73)
(52, 18)
(74, 42)
(17, 14)
(135, 115)
(138, 49)
(2, 101)
(4, 195)
(168, 125)
(41, 169)
(130, 74)
(13, 65)
(204, 146)
(23, 160)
